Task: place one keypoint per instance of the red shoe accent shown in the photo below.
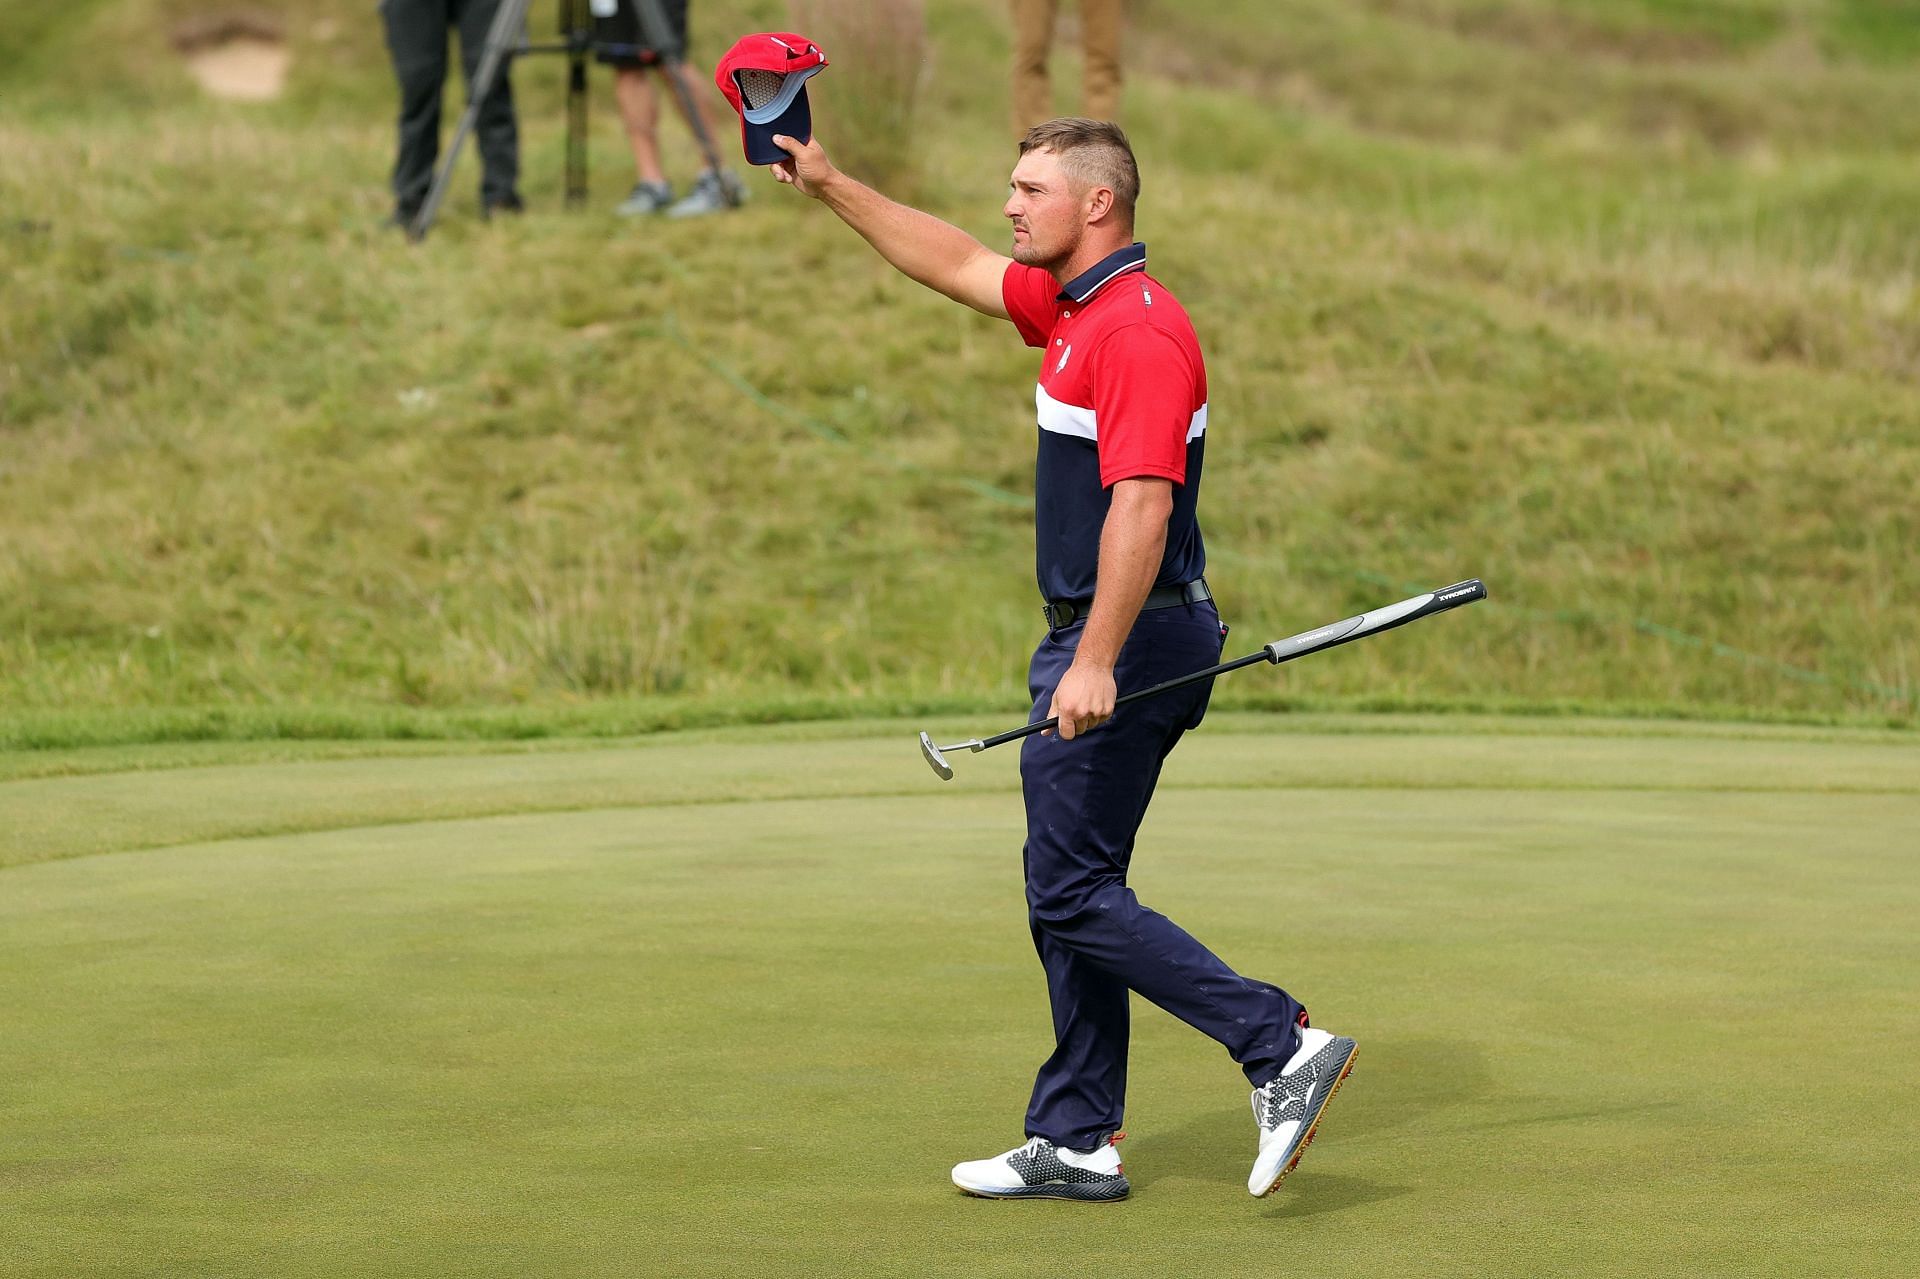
(1116, 1139)
(1301, 1020)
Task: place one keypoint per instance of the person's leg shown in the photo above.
(1100, 24)
(717, 188)
(417, 42)
(640, 113)
(1085, 800)
(674, 12)
(1079, 1093)
(1032, 41)
(495, 130)
(620, 43)
(702, 103)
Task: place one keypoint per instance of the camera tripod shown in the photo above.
(507, 38)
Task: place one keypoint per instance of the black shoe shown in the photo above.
(508, 203)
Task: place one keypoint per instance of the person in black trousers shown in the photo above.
(417, 33)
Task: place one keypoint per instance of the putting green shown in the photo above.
(1630, 999)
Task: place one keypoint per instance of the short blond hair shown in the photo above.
(1093, 152)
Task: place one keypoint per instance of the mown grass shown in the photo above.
(1611, 306)
(655, 1011)
(163, 794)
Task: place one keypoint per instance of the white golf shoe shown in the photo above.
(1288, 1109)
(1042, 1170)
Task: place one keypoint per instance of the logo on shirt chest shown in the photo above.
(1065, 355)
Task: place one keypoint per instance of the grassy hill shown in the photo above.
(1612, 304)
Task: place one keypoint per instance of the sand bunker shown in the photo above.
(240, 56)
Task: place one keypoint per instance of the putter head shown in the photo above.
(935, 760)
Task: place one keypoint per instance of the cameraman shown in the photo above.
(417, 40)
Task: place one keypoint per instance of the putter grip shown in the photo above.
(1376, 621)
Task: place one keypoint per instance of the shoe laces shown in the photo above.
(1275, 1097)
(1034, 1146)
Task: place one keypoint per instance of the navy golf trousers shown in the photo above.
(1085, 801)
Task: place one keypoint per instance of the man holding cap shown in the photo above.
(1122, 415)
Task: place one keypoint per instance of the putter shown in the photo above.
(1314, 641)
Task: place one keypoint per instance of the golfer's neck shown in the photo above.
(1095, 247)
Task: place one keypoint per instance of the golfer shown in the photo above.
(1122, 415)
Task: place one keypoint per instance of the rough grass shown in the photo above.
(1476, 302)
(880, 62)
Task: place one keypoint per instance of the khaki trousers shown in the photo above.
(1100, 22)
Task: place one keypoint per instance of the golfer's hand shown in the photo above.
(1083, 700)
(807, 170)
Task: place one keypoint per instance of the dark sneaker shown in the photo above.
(510, 203)
(1042, 1170)
(1288, 1109)
(645, 198)
(712, 192)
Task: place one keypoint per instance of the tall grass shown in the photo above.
(869, 98)
(257, 452)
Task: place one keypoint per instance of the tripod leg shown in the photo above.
(660, 36)
(579, 34)
(503, 39)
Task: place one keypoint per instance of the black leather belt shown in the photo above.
(1061, 613)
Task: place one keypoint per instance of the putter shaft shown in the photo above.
(1286, 650)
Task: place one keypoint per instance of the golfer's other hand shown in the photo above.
(1083, 700)
(806, 169)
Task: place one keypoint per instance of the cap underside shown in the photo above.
(766, 95)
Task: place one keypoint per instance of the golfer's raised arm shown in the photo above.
(919, 245)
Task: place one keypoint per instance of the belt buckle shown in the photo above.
(1057, 614)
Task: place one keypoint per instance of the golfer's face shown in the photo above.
(1047, 217)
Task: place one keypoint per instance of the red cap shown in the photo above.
(764, 77)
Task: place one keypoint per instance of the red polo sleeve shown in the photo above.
(1028, 292)
(1145, 393)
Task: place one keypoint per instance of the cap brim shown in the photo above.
(757, 135)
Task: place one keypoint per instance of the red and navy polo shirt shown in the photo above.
(1122, 395)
